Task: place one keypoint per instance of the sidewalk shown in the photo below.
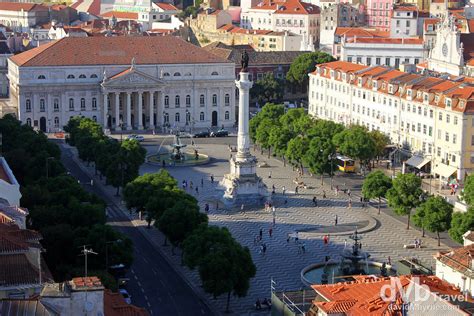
(153, 235)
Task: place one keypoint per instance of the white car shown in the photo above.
(138, 138)
(126, 296)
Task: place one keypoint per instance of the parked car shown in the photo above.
(126, 296)
(220, 133)
(184, 135)
(201, 135)
(138, 138)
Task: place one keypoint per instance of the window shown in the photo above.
(41, 77)
(430, 131)
(177, 74)
(28, 105)
(424, 129)
(93, 76)
(28, 121)
(440, 117)
(56, 105)
(83, 104)
(226, 115)
(201, 116)
(176, 101)
(176, 117)
(454, 138)
(166, 74)
(446, 137)
(438, 151)
(455, 120)
(418, 129)
(71, 104)
(431, 113)
(201, 100)
(214, 73)
(472, 140)
(70, 76)
(419, 110)
(166, 118)
(377, 61)
(94, 104)
(188, 100)
(387, 61)
(82, 76)
(227, 99)
(439, 134)
(214, 100)
(369, 61)
(167, 101)
(56, 122)
(42, 106)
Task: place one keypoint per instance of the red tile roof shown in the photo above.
(166, 6)
(15, 269)
(16, 6)
(85, 282)
(114, 304)
(121, 15)
(360, 32)
(15, 240)
(288, 7)
(115, 50)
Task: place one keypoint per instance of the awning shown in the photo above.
(445, 170)
(417, 161)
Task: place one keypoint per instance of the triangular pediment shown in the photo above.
(131, 77)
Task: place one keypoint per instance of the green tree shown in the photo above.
(278, 139)
(467, 193)
(437, 215)
(318, 156)
(376, 185)
(304, 64)
(404, 195)
(381, 140)
(356, 143)
(297, 147)
(419, 218)
(270, 111)
(263, 133)
(460, 224)
(267, 89)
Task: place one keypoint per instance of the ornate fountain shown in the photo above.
(176, 154)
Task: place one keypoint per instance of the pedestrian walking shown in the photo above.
(206, 208)
(270, 175)
(285, 202)
(202, 182)
(345, 243)
(349, 192)
(350, 203)
(283, 190)
(264, 248)
(335, 221)
(242, 208)
(325, 239)
(315, 203)
(197, 190)
(270, 231)
(261, 249)
(261, 233)
(324, 194)
(389, 260)
(163, 163)
(212, 178)
(303, 247)
(92, 182)
(296, 237)
(296, 190)
(217, 205)
(191, 185)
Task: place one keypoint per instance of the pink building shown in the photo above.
(378, 13)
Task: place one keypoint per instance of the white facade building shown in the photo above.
(21, 16)
(430, 117)
(129, 82)
(293, 16)
(406, 21)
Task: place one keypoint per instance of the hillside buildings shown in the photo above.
(122, 82)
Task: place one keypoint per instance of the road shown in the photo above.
(154, 284)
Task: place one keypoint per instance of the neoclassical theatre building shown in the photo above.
(130, 83)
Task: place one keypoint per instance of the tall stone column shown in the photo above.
(243, 138)
(129, 111)
(106, 108)
(151, 106)
(140, 110)
(117, 111)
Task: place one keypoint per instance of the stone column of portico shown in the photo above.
(140, 110)
(117, 111)
(106, 108)
(151, 106)
(129, 111)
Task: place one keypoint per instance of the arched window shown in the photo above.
(56, 121)
(41, 77)
(94, 104)
(71, 104)
(70, 76)
(94, 118)
(188, 74)
(82, 76)
(201, 116)
(83, 104)
(227, 99)
(214, 100)
(166, 118)
(167, 101)
(214, 73)
(227, 115)
(56, 105)
(177, 74)
(28, 105)
(166, 74)
(188, 100)
(28, 121)
(42, 105)
(93, 76)
(201, 100)
(176, 101)
(188, 117)
(176, 117)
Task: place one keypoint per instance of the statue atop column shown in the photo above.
(244, 61)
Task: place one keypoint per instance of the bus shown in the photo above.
(345, 164)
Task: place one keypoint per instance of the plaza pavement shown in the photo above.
(283, 261)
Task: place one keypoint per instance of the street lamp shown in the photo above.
(107, 243)
(47, 166)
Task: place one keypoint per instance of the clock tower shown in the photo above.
(446, 56)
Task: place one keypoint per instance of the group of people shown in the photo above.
(184, 184)
(258, 241)
(417, 243)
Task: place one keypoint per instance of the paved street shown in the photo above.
(384, 235)
(154, 284)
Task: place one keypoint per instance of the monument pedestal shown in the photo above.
(242, 185)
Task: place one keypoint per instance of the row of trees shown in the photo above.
(433, 213)
(305, 141)
(225, 267)
(65, 214)
(119, 162)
